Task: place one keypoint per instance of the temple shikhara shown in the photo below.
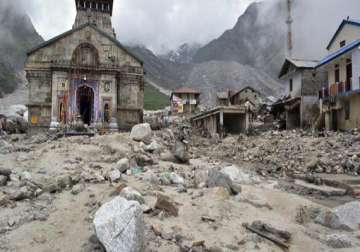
(85, 74)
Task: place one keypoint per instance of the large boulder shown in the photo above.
(239, 176)
(123, 165)
(141, 132)
(180, 152)
(119, 226)
(219, 179)
(345, 217)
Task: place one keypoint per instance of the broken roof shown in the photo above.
(297, 63)
(241, 90)
(185, 90)
(343, 23)
(113, 39)
(223, 95)
(339, 53)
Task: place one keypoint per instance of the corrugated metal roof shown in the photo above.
(339, 53)
(300, 63)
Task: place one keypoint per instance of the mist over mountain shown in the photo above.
(182, 55)
(17, 35)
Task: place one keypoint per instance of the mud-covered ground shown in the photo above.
(55, 187)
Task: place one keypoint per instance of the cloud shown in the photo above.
(159, 24)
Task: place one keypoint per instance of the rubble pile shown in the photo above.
(278, 153)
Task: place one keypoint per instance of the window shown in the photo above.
(347, 110)
(337, 73)
(291, 85)
(342, 43)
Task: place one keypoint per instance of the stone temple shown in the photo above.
(85, 74)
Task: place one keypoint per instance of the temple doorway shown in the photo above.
(85, 103)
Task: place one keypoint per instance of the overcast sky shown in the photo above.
(157, 24)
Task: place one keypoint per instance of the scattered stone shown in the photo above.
(216, 179)
(180, 152)
(123, 165)
(181, 188)
(77, 189)
(20, 194)
(238, 176)
(176, 179)
(164, 202)
(345, 217)
(131, 194)
(114, 176)
(3, 180)
(5, 172)
(338, 241)
(141, 132)
(119, 226)
(154, 146)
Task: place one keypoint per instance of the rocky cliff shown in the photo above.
(17, 35)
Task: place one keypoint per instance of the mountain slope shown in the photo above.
(17, 35)
(212, 76)
(164, 73)
(257, 39)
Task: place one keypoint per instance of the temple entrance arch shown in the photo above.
(85, 103)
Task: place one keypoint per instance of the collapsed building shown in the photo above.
(234, 112)
(340, 97)
(85, 74)
(299, 108)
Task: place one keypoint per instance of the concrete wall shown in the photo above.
(297, 82)
(356, 69)
(309, 110)
(349, 33)
(244, 95)
(354, 121)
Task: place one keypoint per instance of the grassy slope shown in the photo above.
(154, 99)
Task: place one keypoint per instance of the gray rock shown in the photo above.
(238, 176)
(119, 226)
(141, 132)
(5, 172)
(154, 146)
(77, 189)
(114, 175)
(123, 165)
(345, 217)
(219, 179)
(180, 152)
(176, 179)
(338, 241)
(130, 193)
(3, 180)
(20, 194)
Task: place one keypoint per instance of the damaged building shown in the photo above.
(222, 120)
(299, 108)
(340, 98)
(85, 74)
